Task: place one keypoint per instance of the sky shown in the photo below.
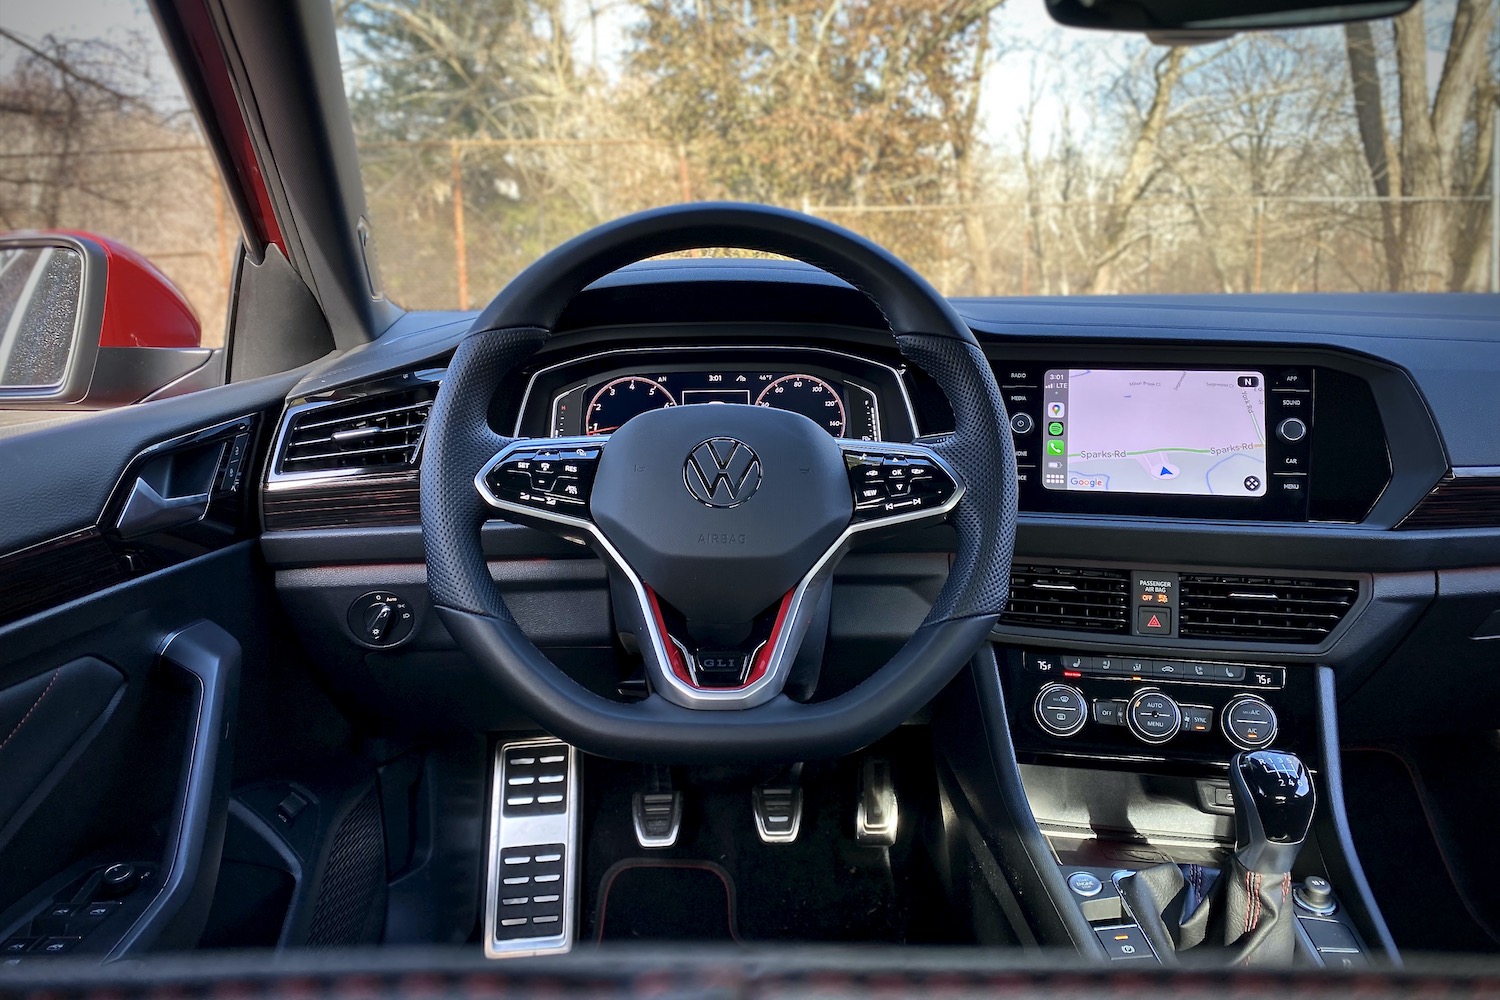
(1024, 24)
(1038, 53)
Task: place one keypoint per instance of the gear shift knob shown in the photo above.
(1273, 809)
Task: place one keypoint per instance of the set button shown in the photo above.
(885, 485)
(546, 479)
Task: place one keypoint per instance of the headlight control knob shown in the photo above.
(1061, 710)
(1152, 716)
(381, 619)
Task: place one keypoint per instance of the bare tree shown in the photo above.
(1142, 166)
(1418, 167)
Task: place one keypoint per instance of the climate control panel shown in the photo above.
(1115, 707)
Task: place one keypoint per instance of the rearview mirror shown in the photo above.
(1195, 16)
(87, 323)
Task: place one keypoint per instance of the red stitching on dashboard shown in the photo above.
(4, 743)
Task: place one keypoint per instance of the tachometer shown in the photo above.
(619, 400)
(810, 396)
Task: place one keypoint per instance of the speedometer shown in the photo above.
(810, 396)
(619, 400)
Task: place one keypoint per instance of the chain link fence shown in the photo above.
(454, 221)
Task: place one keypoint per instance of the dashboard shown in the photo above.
(1244, 436)
(847, 395)
(1172, 554)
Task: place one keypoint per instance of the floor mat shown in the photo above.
(666, 901)
(825, 887)
(1413, 882)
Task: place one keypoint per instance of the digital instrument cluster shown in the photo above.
(843, 405)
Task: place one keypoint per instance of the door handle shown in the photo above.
(146, 510)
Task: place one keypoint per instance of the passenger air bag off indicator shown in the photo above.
(1156, 602)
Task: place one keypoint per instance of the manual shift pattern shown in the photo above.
(1245, 913)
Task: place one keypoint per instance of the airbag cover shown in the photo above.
(730, 555)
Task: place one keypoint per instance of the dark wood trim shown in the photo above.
(364, 502)
(57, 570)
(1457, 502)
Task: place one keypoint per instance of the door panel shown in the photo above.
(117, 690)
(44, 720)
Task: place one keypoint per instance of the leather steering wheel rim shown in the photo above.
(459, 442)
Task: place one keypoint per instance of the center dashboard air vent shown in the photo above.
(1263, 609)
(376, 433)
(1072, 598)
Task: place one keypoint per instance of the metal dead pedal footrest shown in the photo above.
(531, 885)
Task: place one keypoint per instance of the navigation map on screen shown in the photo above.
(1186, 433)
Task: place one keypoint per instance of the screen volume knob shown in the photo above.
(1060, 709)
(1292, 430)
(1153, 716)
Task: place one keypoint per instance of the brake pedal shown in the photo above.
(878, 813)
(778, 812)
(533, 863)
(657, 817)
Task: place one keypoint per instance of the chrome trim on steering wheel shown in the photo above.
(798, 616)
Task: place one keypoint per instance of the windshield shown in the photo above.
(998, 153)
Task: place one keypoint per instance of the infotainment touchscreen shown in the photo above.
(1183, 433)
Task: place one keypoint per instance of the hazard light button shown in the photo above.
(1153, 621)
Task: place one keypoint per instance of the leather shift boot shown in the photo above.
(1196, 915)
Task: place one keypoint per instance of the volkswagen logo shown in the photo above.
(722, 472)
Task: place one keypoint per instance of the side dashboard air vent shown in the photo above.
(378, 433)
(1263, 609)
(1083, 600)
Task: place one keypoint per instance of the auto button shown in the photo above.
(1153, 716)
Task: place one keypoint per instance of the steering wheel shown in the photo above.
(723, 524)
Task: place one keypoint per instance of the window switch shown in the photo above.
(54, 919)
(56, 945)
(93, 913)
(17, 945)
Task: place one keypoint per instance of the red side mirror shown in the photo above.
(86, 322)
